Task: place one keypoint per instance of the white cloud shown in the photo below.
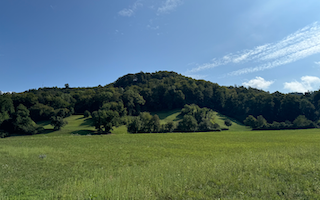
(258, 82)
(195, 76)
(317, 63)
(128, 12)
(308, 83)
(301, 44)
(169, 5)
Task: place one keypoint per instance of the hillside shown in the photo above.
(156, 92)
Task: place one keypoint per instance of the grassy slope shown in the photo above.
(225, 165)
(77, 124)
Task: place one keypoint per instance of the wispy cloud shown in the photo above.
(317, 63)
(168, 6)
(153, 27)
(258, 82)
(53, 7)
(307, 83)
(128, 12)
(301, 44)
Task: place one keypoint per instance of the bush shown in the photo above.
(3, 134)
(86, 114)
(228, 122)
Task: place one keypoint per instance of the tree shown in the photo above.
(22, 122)
(57, 122)
(66, 85)
(188, 123)
(250, 121)
(302, 122)
(155, 124)
(86, 114)
(227, 122)
(135, 125)
(169, 127)
(261, 122)
(105, 119)
(206, 125)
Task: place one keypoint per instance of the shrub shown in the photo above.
(228, 122)
(86, 114)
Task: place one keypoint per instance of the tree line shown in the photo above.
(148, 92)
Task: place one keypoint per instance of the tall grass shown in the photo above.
(225, 165)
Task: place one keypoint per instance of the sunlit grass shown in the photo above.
(225, 165)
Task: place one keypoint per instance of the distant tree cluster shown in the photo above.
(194, 119)
(260, 123)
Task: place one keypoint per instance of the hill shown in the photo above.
(156, 92)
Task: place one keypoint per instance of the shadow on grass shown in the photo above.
(164, 114)
(43, 123)
(87, 122)
(47, 131)
(84, 132)
(89, 132)
(178, 118)
(223, 117)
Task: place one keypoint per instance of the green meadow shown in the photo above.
(74, 163)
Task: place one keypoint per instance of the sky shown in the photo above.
(271, 45)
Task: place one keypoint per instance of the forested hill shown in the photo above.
(163, 90)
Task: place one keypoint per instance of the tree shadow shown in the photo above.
(43, 123)
(83, 132)
(223, 117)
(164, 114)
(87, 122)
(47, 131)
(179, 117)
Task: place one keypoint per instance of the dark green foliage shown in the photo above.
(216, 126)
(188, 124)
(133, 101)
(22, 122)
(250, 121)
(261, 122)
(169, 127)
(302, 122)
(57, 122)
(136, 93)
(40, 112)
(155, 124)
(206, 125)
(63, 112)
(3, 134)
(228, 122)
(135, 126)
(105, 119)
(144, 123)
(86, 114)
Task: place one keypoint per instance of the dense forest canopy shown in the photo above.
(136, 93)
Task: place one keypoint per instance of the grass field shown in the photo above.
(219, 165)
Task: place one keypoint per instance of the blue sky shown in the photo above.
(273, 45)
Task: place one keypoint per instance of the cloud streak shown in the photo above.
(128, 12)
(301, 44)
